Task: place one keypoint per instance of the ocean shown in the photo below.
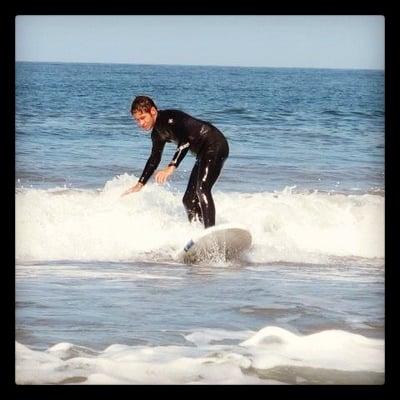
(100, 295)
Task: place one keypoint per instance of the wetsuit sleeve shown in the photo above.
(154, 159)
(179, 154)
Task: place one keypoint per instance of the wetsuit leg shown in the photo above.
(210, 165)
(190, 199)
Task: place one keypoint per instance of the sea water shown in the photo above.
(100, 295)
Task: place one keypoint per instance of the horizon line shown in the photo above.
(198, 65)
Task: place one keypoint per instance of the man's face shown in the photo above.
(144, 119)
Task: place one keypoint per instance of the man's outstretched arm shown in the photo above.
(150, 167)
(161, 176)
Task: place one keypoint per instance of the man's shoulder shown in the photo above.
(170, 117)
(173, 116)
(172, 112)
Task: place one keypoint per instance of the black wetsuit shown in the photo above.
(211, 149)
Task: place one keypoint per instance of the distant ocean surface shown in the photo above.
(100, 296)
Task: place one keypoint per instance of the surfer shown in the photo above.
(200, 137)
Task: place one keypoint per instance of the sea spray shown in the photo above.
(100, 225)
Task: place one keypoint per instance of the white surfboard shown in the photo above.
(216, 244)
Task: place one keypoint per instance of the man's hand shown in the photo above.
(135, 188)
(161, 176)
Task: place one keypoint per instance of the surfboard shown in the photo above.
(216, 244)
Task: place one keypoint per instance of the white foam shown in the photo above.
(332, 349)
(65, 224)
(208, 362)
(311, 227)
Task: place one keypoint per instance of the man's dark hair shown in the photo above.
(142, 104)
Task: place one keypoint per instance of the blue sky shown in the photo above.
(326, 41)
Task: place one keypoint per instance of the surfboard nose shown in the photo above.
(219, 244)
